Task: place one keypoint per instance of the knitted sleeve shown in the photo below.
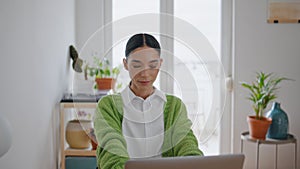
(179, 134)
(111, 151)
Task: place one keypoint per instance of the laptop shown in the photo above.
(228, 161)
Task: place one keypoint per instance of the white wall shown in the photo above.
(88, 21)
(260, 46)
(34, 46)
(35, 36)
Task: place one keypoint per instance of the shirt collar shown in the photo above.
(128, 95)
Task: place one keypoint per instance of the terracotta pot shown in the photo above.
(77, 135)
(105, 83)
(258, 128)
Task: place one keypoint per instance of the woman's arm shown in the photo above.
(111, 151)
(179, 132)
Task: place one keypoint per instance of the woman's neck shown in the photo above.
(143, 93)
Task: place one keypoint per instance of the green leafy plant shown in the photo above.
(262, 91)
(101, 69)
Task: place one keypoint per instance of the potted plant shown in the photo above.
(262, 91)
(105, 75)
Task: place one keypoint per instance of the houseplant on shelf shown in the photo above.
(262, 91)
(105, 75)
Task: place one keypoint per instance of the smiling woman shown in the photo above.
(183, 73)
(142, 62)
(143, 70)
(142, 121)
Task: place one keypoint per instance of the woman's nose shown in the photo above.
(145, 72)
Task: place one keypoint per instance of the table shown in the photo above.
(291, 139)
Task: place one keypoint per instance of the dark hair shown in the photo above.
(140, 40)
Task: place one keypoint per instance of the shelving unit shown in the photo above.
(284, 12)
(65, 151)
(74, 152)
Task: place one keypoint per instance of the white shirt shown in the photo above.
(143, 123)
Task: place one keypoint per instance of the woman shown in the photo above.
(142, 121)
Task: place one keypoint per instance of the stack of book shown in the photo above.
(82, 97)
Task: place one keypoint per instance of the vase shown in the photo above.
(77, 133)
(280, 123)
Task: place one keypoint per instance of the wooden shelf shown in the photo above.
(66, 151)
(80, 105)
(276, 20)
(77, 152)
(284, 12)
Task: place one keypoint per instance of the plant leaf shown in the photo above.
(263, 90)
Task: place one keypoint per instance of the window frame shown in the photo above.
(167, 6)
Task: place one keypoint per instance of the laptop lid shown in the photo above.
(229, 161)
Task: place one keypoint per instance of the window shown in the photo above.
(205, 16)
(191, 68)
(120, 10)
(191, 79)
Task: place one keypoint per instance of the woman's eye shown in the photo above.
(136, 66)
(153, 66)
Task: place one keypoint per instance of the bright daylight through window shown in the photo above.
(197, 92)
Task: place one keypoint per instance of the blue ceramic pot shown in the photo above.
(280, 123)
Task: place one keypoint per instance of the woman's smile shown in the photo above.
(144, 82)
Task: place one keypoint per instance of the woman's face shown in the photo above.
(143, 65)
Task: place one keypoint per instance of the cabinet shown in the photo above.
(70, 103)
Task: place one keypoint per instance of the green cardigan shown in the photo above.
(179, 139)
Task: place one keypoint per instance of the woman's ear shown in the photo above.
(125, 64)
(161, 60)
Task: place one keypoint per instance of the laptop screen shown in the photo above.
(230, 161)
